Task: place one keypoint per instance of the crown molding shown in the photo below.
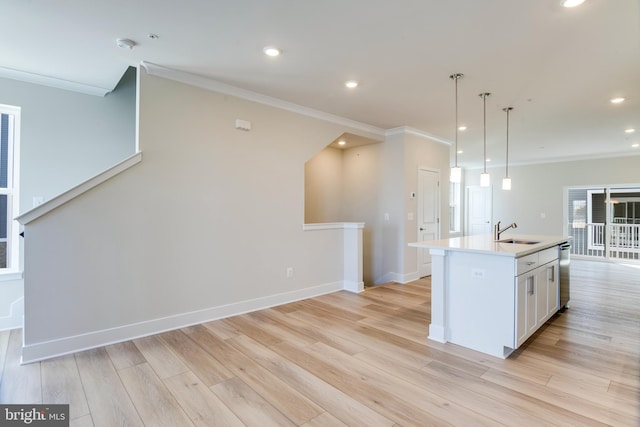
(568, 159)
(417, 132)
(216, 86)
(39, 79)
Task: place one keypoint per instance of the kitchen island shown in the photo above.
(489, 295)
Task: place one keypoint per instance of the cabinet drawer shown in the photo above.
(548, 255)
(527, 263)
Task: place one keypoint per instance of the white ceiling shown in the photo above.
(557, 67)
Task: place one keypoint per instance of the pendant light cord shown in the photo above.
(507, 110)
(484, 121)
(455, 77)
(456, 153)
(507, 160)
(484, 99)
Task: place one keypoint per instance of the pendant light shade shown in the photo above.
(456, 174)
(506, 181)
(456, 171)
(485, 179)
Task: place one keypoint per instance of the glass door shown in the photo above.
(604, 222)
(624, 225)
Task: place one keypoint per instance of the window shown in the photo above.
(455, 213)
(9, 243)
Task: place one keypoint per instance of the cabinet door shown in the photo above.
(542, 294)
(552, 288)
(525, 307)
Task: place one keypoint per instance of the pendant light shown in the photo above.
(456, 171)
(506, 181)
(485, 179)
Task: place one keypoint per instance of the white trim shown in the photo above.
(59, 347)
(216, 86)
(332, 226)
(15, 318)
(355, 287)
(401, 278)
(437, 333)
(416, 132)
(138, 90)
(13, 190)
(569, 159)
(74, 192)
(8, 274)
(39, 79)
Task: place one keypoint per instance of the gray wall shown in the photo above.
(538, 190)
(67, 137)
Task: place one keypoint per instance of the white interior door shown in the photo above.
(428, 215)
(478, 210)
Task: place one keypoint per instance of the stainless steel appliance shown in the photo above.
(565, 263)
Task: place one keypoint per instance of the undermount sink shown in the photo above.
(519, 242)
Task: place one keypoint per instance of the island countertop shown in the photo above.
(486, 245)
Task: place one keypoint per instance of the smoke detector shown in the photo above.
(125, 44)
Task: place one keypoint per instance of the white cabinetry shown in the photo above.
(489, 295)
(536, 292)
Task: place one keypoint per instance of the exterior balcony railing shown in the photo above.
(620, 241)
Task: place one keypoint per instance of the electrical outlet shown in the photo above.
(289, 272)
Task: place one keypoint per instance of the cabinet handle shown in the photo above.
(531, 262)
(552, 273)
(530, 286)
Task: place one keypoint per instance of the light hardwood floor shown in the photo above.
(355, 360)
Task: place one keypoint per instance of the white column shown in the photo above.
(438, 326)
(353, 256)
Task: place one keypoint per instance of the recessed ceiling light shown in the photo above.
(630, 130)
(271, 51)
(636, 145)
(342, 142)
(153, 36)
(351, 84)
(462, 128)
(617, 100)
(488, 160)
(460, 151)
(572, 3)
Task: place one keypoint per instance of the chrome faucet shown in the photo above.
(497, 231)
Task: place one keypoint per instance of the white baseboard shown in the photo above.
(397, 277)
(410, 277)
(355, 287)
(59, 347)
(15, 318)
(437, 333)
